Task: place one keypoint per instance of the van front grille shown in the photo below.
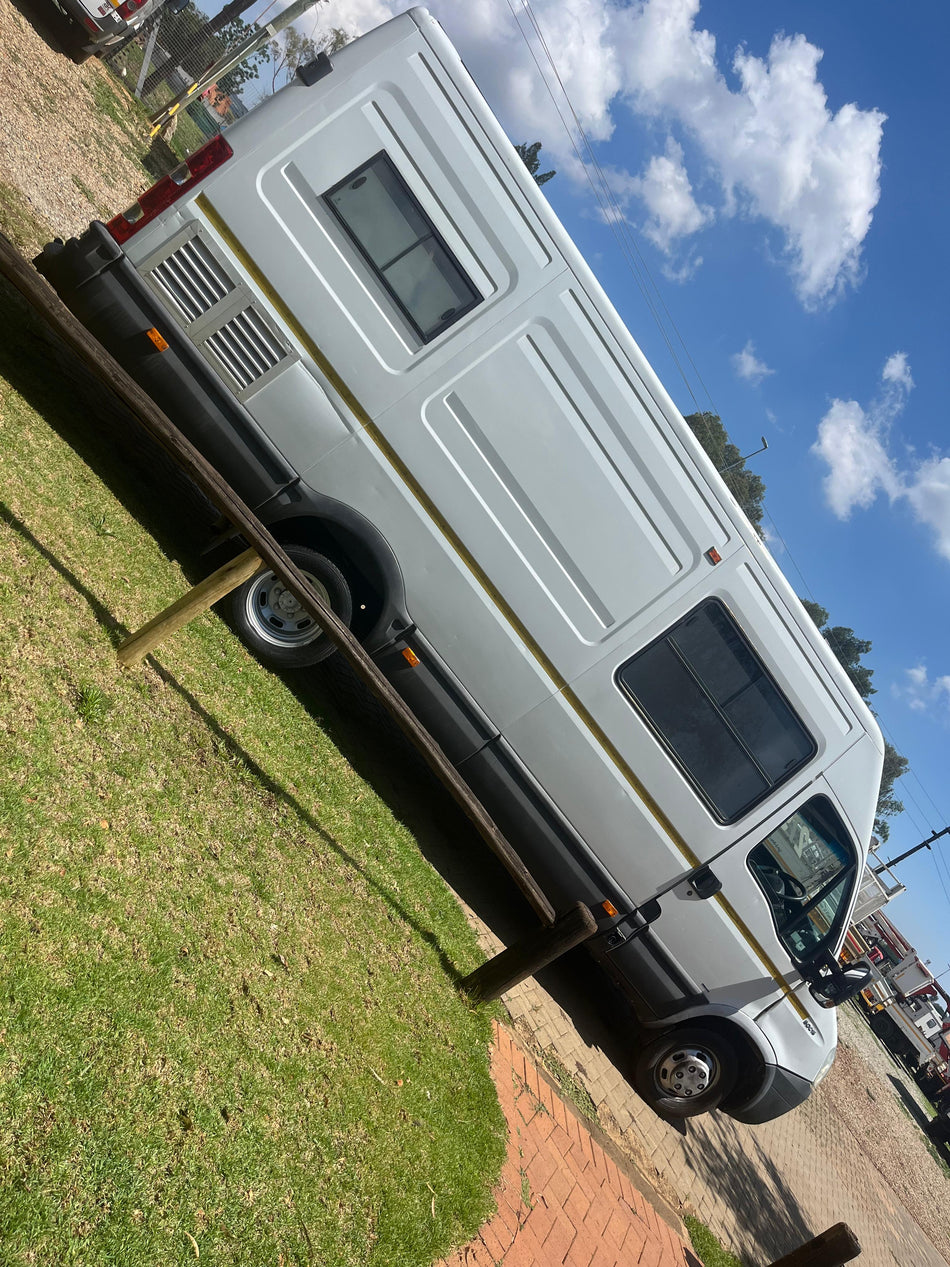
(192, 279)
(246, 347)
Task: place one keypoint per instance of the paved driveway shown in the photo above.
(763, 1190)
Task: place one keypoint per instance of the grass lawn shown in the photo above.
(228, 1021)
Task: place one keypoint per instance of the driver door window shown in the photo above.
(806, 869)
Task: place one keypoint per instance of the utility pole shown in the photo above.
(924, 844)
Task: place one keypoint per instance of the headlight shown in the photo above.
(826, 1066)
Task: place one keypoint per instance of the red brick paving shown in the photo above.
(581, 1211)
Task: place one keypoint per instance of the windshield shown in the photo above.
(806, 869)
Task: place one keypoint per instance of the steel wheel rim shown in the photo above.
(277, 616)
(687, 1072)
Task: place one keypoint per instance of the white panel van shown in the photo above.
(381, 335)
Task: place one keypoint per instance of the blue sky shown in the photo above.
(783, 171)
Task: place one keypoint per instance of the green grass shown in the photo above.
(120, 106)
(183, 138)
(569, 1085)
(19, 222)
(228, 1018)
(707, 1247)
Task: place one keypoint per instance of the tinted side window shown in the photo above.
(401, 245)
(709, 699)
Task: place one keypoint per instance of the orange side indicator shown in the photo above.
(609, 907)
(410, 657)
(156, 338)
(713, 555)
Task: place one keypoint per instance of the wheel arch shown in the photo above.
(753, 1054)
(362, 554)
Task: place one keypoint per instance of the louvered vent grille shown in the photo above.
(246, 348)
(194, 284)
(192, 279)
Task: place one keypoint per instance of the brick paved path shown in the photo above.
(763, 1190)
(562, 1200)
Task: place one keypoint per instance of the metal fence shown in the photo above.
(179, 46)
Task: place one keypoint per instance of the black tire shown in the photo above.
(686, 1072)
(270, 621)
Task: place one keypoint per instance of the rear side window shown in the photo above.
(711, 702)
(400, 244)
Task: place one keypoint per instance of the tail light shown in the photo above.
(166, 192)
(128, 7)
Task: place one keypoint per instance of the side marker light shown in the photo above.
(410, 657)
(157, 339)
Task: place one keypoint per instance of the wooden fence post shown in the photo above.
(204, 595)
(836, 1246)
(529, 955)
(221, 495)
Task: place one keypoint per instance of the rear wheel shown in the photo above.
(686, 1072)
(269, 618)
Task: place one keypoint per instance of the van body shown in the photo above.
(380, 333)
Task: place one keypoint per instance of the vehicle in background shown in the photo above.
(103, 25)
(903, 1009)
(373, 324)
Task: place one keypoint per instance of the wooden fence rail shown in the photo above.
(108, 371)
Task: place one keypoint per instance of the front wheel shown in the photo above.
(686, 1072)
(268, 617)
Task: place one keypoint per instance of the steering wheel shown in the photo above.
(787, 888)
(795, 891)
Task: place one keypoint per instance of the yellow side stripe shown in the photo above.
(393, 458)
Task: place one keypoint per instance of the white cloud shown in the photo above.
(668, 196)
(854, 443)
(748, 366)
(897, 371)
(928, 492)
(921, 692)
(858, 464)
(778, 152)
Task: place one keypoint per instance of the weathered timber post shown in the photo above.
(829, 1249)
(204, 595)
(217, 490)
(529, 955)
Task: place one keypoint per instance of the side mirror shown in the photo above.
(831, 985)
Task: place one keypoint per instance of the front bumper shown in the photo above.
(780, 1092)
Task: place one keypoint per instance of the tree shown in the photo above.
(887, 803)
(198, 41)
(746, 487)
(529, 155)
(849, 649)
(294, 50)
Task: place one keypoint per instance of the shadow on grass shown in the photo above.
(909, 1103)
(117, 631)
(109, 439)
(111, 442)
(51, 25)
